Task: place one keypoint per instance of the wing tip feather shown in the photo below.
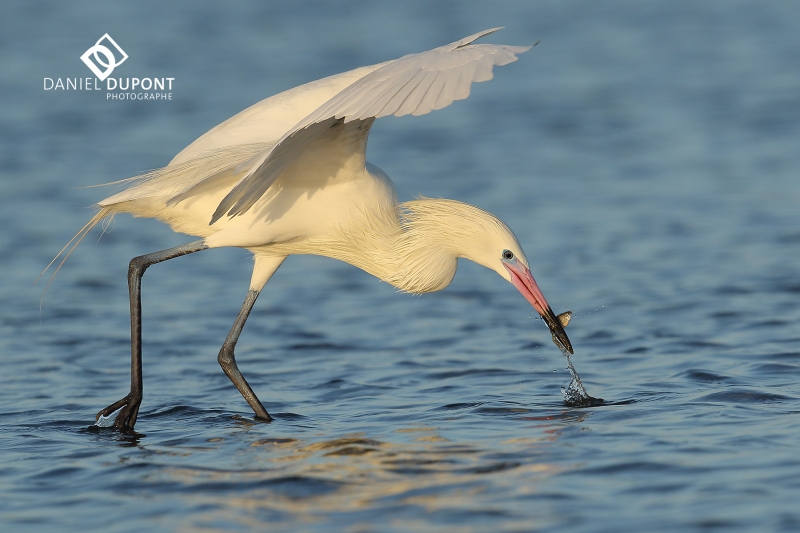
(474, 37)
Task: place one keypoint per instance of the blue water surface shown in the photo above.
(647, 155)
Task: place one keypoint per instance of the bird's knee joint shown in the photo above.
(226, 357)
(137, 266)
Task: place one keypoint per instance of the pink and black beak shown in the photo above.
(523, 280)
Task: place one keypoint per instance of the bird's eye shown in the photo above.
(507, 254)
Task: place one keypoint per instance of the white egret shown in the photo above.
(289, 175)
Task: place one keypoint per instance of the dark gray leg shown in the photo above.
(227, 360)
(130, 403)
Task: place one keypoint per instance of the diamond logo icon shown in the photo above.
(102, 57)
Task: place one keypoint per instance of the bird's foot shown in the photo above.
(128, 408)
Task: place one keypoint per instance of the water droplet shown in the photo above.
(575, 394)
(107, 421)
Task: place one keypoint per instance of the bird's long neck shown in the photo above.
(409, 246)
(413, 246)
(424, 252)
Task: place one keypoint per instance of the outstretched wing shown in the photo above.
(415, 84)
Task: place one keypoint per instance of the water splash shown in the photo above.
(107, 421)
(575, 394)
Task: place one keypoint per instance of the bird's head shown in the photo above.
(500, 251)
(479, 236)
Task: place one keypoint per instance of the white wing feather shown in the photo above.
(415, 84)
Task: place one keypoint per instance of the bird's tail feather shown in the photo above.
(173, 182)
(68, 248)
(177, 182)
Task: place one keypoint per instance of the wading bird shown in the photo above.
(289, 176)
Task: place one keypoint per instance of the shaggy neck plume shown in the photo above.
(416, 246)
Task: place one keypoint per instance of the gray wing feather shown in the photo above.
(415, 84)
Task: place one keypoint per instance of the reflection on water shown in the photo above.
(285, 481)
